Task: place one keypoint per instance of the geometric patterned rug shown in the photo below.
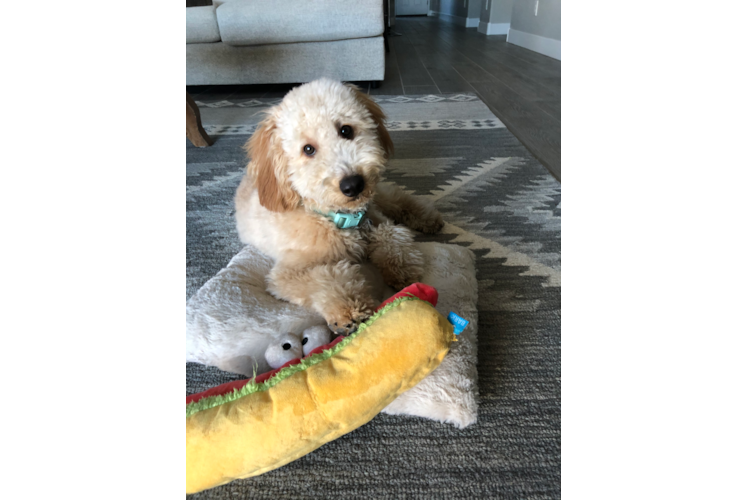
(498, 201)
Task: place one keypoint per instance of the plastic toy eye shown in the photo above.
(306, 339)
(309, 150)
(286, 346)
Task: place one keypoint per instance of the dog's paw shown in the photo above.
(348, 319)
(430, 224)
(398, 278)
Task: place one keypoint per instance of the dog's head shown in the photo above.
(325, 145)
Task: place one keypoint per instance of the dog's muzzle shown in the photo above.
(352, 185)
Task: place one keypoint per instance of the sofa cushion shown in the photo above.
(261, 22)
(202, 26)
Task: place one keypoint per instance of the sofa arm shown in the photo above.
(202, 26)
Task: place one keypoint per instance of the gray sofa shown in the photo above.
(289, 41)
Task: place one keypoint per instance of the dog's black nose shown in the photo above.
(352, 185)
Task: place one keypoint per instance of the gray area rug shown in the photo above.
(498, 201)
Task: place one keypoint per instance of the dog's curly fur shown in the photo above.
(279, 201)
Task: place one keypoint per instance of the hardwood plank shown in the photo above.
(439, 66)
(517, 81)
(518, 58)
(433, 60)
(534, 57)
(392, 84)
(553, 108)
(450, 81)
(472, 72)
(531, 69)
(520, 82)
(412, 70)
(524, 84)
(421, 89)
(540, 133)
(551, 82)
(507, 54)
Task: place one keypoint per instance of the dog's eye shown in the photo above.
(286, 346)
(306, 339)
(346, 131)
(309, 150)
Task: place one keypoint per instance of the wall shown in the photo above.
(541, 33)
(469, 13)
(495, 20)
(501, 11)
(461, 12)
(546, 24)
(449, 7)
(485, 11)
(474, 7)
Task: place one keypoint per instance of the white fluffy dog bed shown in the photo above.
(232, 319)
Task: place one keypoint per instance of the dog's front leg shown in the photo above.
(415, 212)
(393, 251)
(337, 291)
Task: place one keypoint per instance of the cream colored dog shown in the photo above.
(315, 159)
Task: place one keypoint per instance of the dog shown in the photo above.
(316, 161)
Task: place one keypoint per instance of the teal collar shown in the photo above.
(343, 220)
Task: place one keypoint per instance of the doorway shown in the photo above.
(411, 7)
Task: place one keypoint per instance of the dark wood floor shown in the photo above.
(432, 56)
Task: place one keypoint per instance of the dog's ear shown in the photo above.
(268, 168)
(378, 115)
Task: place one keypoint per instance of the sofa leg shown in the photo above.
(195, 131)
(375, 84)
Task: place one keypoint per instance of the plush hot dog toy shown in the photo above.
(291, 346)
(248, 427)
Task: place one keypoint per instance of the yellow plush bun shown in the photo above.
(262, 426)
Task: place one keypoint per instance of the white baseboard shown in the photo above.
(546, 46)
(468, 22)
(493, 28)
(432, 13)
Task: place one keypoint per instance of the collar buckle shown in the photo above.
(344, 220)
